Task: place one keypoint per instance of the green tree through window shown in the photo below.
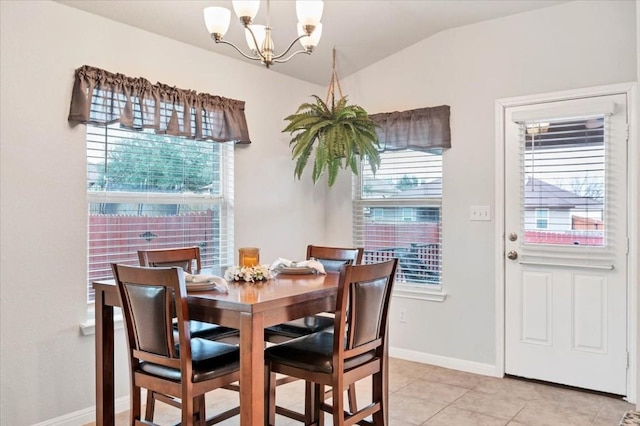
(158, 163)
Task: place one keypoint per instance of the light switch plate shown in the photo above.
(480, 213)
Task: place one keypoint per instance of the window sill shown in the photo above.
(88, 327)
(432, 293)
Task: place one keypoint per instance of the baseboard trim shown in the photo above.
(446, 362)
(84, 416)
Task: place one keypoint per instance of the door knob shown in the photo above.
(513, 255)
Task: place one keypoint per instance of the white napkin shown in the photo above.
(313, 264)
(220, 283)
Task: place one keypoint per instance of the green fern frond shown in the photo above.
(340, 135)
(301, 163)
(333, 167)
(354, 165)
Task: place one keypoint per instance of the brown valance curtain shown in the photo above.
(101, 97)
(422, 129)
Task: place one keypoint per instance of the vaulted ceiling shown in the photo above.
(362, 31)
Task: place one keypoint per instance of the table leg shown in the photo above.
(251, 369)
(105, 406)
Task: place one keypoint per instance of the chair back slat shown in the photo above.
(186, 258)
(333, 258)
(361, 349)
(157, 359)
(366, 310)
(364, 293)
(150, 296)
(147, 305)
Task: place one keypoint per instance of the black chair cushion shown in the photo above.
(312, 353)
(206, 330)
(301, 326)
(209, 359)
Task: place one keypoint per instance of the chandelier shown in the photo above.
(258, 37)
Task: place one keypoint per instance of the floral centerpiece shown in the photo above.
(249, 274)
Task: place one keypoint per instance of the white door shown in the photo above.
(566, 242)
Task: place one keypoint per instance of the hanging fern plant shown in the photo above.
(340, 135)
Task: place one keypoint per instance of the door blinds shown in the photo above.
(568, 187)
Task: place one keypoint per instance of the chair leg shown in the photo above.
(317, 415)
(271, 398)
(351, 395)
(312, 402)
(200, 411)
(380, 417)
(151, 405)
(135, 410)
(188, 410)
(337, 402)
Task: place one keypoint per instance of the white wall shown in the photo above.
(637, 141)
(46, 366)
(568, 46)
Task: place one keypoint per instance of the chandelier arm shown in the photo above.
(253, 58)
(289, 48)
(280, 61)
(260, 56)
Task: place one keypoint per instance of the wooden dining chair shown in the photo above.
(354, 349)
(185, 368)
(332, 259)
(188, 258)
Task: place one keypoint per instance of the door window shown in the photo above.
(563, 190)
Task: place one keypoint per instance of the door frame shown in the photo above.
(633, 200)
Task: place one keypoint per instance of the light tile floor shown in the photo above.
(426, 395)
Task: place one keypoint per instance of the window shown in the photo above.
(409, 214)
(564, 191)
(150, 191)
(542, 218)
(405, 198)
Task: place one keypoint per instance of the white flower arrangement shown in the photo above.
(249, 274)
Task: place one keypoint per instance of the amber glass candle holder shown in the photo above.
(249, 256)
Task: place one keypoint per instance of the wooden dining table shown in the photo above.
(248, 307)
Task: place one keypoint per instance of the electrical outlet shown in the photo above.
(403, 315)
(480, 213)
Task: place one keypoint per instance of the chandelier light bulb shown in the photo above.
(217, 20)
(246, 8)
(309, 11)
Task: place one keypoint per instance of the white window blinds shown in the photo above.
(564, 190)
(397, 213)
(156, 191)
